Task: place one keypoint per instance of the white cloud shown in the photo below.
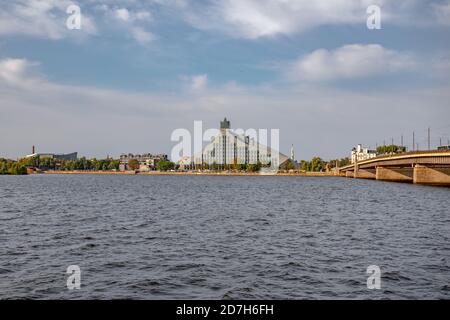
(44, 19)
(143, 15)
(133, 23)
(17, 72)
(440, 66)
(199, 82)
(350, 61)
(442, 13)
(249, 19)
(260, 18)
(11, 69)
(142, 36)
(122, 14)
(252, 19)
(34, 108)
(126, 15)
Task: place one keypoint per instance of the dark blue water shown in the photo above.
(199, 237)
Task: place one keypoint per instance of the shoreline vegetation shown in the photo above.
(35, 165)
(11, 167)
(193, 173)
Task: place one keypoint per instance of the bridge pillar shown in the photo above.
(350, 174)
(432, 176)
(366, 174)
(395, 174)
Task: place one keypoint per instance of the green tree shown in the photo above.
(304, 165)
(340, 162)
(165, 165)
(317, 164)
(214, 166)
(288, 165)
(390, 149)
(113, 164)
(133, 164)
(17, 169)
(254, 167)
(3, 167)
(242, 167)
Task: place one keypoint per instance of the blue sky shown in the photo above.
(137, 70)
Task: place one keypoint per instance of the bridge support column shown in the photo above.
(366, 174)
(432, 176)
(350, 174)
(395, 174)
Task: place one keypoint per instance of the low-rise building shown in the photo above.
(147, 162)
(184, 163)
(360, 154)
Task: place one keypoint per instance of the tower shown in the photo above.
(33, 150)
(224, 127)
(225, 124)
(292, 153)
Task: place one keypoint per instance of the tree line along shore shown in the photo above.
(109, 165)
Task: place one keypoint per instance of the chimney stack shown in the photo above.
(33, 150)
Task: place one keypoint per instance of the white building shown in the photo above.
(359, 153)
(229, 148)
(184, 163)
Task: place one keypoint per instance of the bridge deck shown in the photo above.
(404, 159)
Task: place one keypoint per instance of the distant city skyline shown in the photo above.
(137, 71)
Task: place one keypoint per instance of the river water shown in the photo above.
(209, 237)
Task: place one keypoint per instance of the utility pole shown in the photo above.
(402, 140)
(429, 139)
(440, 142)
(414, 141)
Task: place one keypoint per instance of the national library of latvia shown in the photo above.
(228, 148)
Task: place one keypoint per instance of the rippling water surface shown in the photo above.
(199, 237)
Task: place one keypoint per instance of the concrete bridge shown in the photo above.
(421, 167)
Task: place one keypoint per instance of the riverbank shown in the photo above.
(196, 173)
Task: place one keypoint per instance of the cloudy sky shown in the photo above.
(137, 70)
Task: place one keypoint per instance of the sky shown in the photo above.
(138, 70)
